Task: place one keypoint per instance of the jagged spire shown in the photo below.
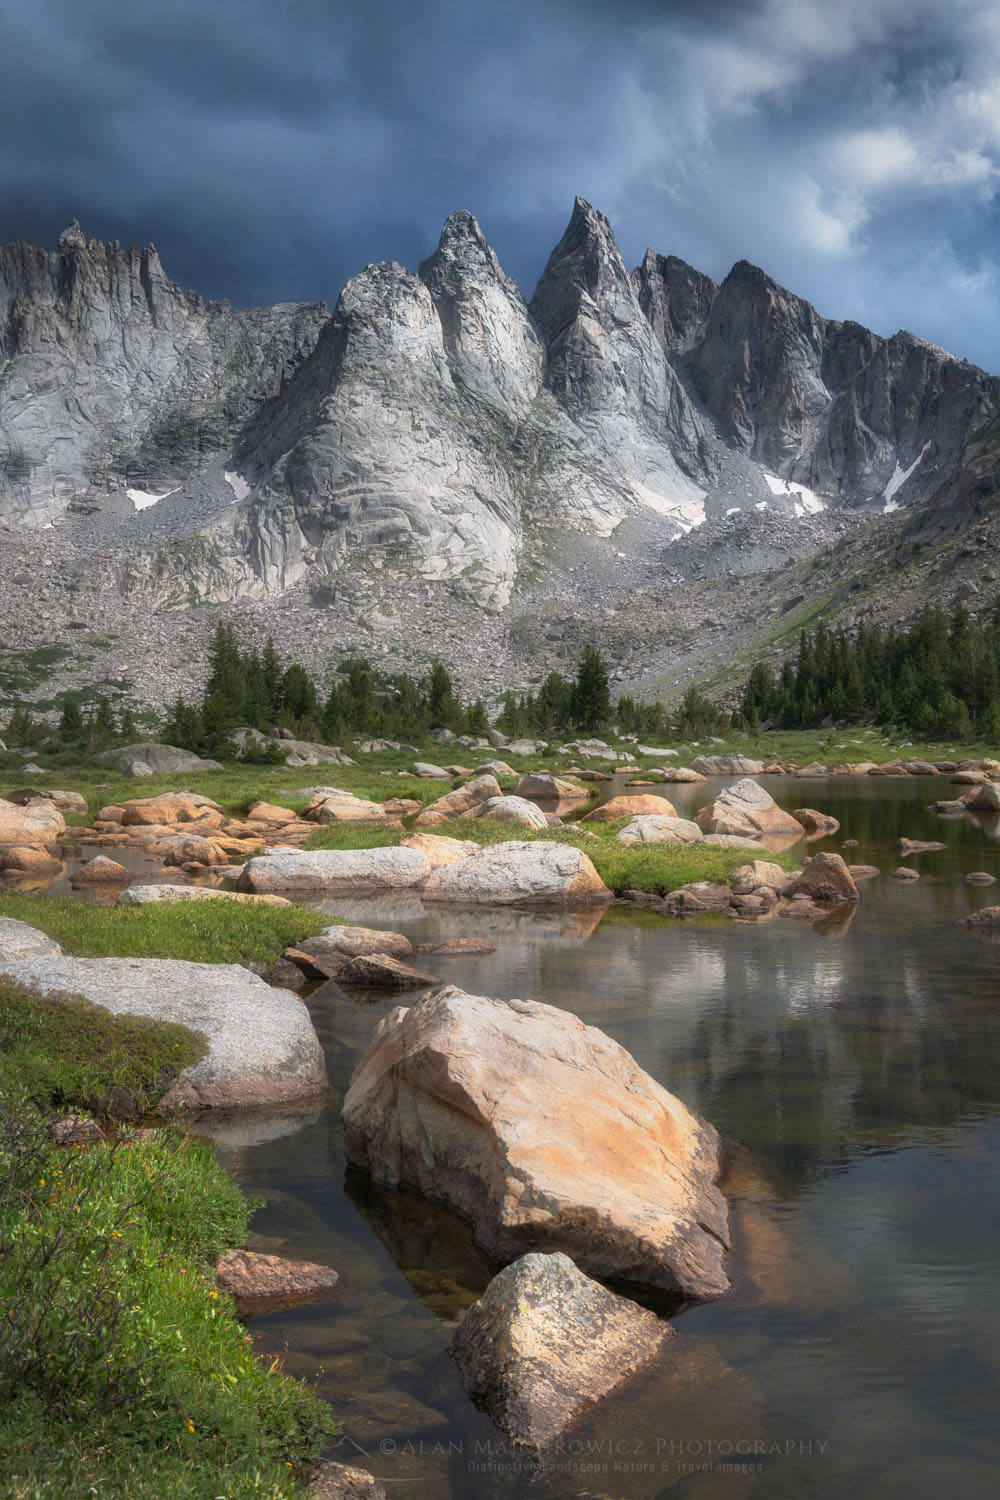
(73, 238)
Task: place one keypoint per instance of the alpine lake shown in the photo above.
(852, 1063)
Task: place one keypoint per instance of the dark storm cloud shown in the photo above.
(270, 149)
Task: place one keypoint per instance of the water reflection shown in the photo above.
(857, 1067)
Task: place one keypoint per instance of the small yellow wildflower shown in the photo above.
(213, 1295)
(190, 1425)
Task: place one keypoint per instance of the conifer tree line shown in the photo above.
(257, 690)
(938, 679)
(94, 727)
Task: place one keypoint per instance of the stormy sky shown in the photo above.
(270, 148)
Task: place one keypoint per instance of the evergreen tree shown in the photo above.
(71, 722)
(591, 703)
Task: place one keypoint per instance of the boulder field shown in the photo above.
(545, 1135)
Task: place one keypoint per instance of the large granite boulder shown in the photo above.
(332, 871)
(824, 878)
(815, 822)
(516, 810)
(159, 760)
(160, 895)
(985, 798)
(746, 810)
(37, 824)
(463, 801)
(520, 874)
(342, 807)
(645, 805)
(544, 1340)
(546, 1135)
(262, 1048)
(18, 940)
(726, 765)
(171, 807)
(549, 788)
(650, 828)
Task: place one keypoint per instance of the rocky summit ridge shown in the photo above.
(438, 443)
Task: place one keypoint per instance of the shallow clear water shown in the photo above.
(858, 1353)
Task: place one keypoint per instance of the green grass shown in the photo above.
(656, 868)
(65, 1053)
(220, 932)
(123, 1371)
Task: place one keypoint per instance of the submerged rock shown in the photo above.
(381, 972)
(986, 919)
(545, 1134)
(544, 1340)
(263, 1283)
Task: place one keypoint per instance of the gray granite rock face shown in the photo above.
(262, 1045)
(158, 377)
(436, 419)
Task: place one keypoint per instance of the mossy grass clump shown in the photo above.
(62, 1052)
(123, 1371)
(220, 932)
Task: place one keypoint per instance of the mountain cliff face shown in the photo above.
(431, 424)
(112, 377)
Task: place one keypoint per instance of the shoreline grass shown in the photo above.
(223, 932)
(123, 1371)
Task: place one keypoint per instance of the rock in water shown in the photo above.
(263, 1283)
(746, 810)
(262, 1046)
(544, 1340)
(544, 1134)
(826, 878)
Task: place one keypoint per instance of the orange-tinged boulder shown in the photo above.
(546, 1135)
(36, 823)
(646, 805)
(824, 878)
(463, 800)
(171, 807)
(748, 811)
